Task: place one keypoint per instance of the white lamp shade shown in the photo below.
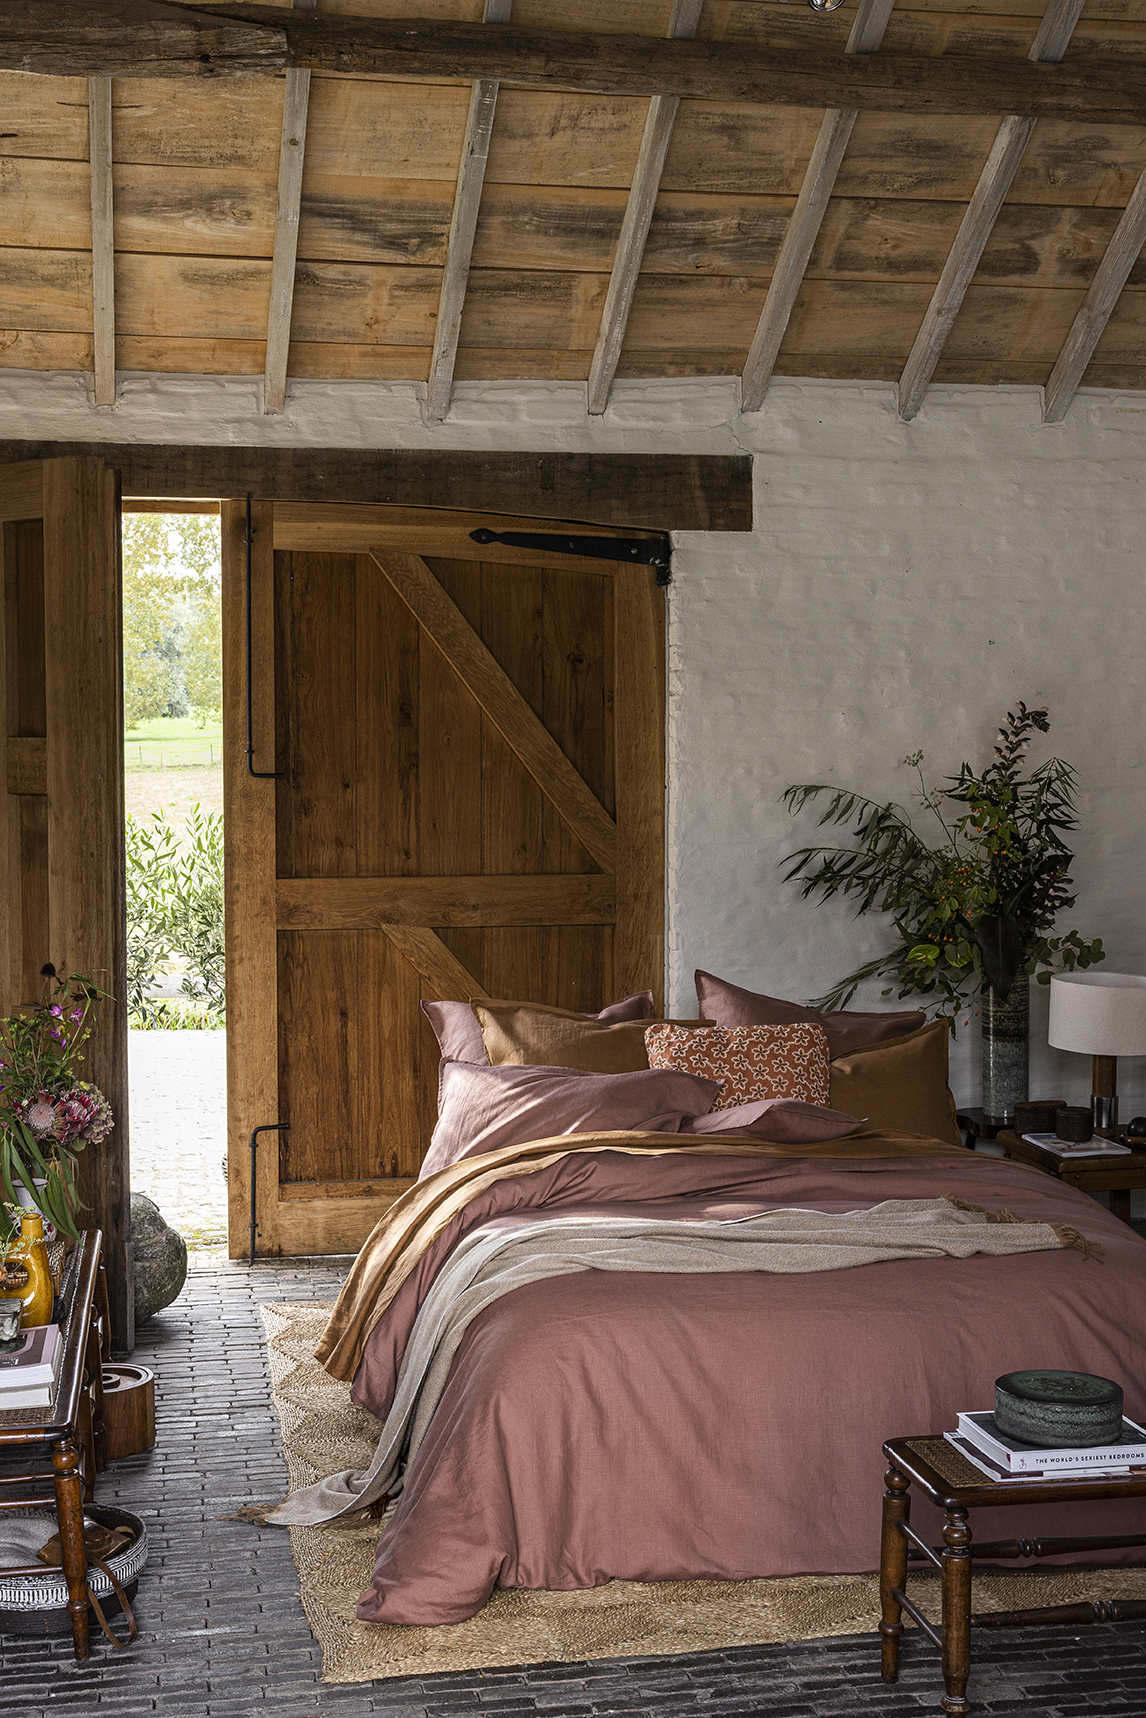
(1098, 1013)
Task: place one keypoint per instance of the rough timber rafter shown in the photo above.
(807, 217)
(638, 217)
(137, 38)
(1086, 331)
(995, 181)
(103, 240)
(296, 98)
(463, 226)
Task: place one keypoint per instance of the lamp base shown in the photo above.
(1104, 1096)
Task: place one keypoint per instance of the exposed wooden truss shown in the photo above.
(463, 226)
(292, 152)
(103, 241)
(995, 181)
(655, 139)
(134, 38)
(583, 235)
(1112, 275)
(807, 217)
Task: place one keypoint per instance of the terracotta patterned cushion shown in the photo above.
(752, 1061)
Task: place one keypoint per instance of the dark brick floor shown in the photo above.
(223, 1634)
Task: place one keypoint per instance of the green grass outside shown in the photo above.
(173, 742)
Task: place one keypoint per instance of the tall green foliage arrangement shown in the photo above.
(175, 907)
(979, 906)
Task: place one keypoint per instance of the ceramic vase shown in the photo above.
(1006, 1040)
(37, 1293)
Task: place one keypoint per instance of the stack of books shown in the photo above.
(1000, 1456)
(30, 1373)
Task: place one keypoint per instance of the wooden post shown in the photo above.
(86, 907)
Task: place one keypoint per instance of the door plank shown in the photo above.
(441, 972)
(449, 756)
(577, 648)
(319, 1025)
(22, 491)
(640, 783)
(28, 765)
(249, 861)
(364, 903)
(397, 1105)
(513, 806)
(501, 701)
(387, 644)
(323, 761)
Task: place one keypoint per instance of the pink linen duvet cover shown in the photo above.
(656, 1427)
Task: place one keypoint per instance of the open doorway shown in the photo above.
(173, 791)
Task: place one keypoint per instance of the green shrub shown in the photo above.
(175, 907)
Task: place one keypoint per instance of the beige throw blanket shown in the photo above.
(493, 1261)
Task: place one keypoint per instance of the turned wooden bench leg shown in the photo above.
(893, 1568)
(73, 1551)
(956, 1580)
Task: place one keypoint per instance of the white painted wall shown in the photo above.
(904, 583)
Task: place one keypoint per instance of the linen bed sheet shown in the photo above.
(651, 1427)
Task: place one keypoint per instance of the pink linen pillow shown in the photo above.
(459, 1034)
(784, 1121)
(729, 1005)
(751, 1061)
(482, 1108)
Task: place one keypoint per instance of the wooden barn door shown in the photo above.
(470, 800)
(62, 849)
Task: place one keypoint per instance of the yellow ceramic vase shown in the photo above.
(31, 1250)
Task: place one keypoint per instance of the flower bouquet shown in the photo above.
(48, 1115)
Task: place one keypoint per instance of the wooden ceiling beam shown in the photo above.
(807, 217)
(134, 39)
(463, 226)
(1113, 271)
(103, 241)
(292, 152)
(655, 140)
(1050, 44)
(138, 38)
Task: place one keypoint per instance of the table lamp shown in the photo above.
(1103, 1015)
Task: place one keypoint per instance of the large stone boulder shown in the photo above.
(160, 1258)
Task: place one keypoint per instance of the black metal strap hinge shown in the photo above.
(646, 551)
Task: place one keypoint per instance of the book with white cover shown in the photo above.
(1093, 1147)
(982, 1461)
(1016, 1457)
(36, 1361)
(994, 1470)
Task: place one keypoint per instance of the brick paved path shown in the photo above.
(223, 1633)
(178, 1112)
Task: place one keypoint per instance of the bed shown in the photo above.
(656, 1426)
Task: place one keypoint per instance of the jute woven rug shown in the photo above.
(324, 1432)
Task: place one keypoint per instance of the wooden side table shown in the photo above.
(956, 1486)
(1116, 1174)
(69, 1428)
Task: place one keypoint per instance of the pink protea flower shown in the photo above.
(41, 1116)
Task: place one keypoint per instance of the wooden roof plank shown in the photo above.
(292, 154)
(103, 241)
(995, 181)
(655, 140)
(1086, 330)
(807, 217)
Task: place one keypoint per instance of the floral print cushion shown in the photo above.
(753, 1062)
